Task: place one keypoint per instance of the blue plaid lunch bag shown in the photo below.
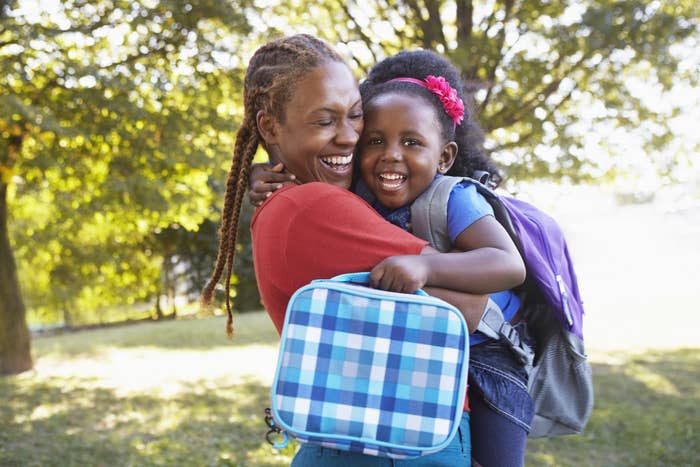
(371, 371)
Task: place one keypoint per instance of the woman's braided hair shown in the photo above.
(270, 81)
(419, 64)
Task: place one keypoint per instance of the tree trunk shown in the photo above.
(67, 317)
(159, 310)
(15, 354)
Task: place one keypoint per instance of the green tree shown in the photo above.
(538, 66)
(113, 116)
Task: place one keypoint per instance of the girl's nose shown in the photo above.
(392, 153)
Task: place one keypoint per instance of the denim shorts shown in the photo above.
(496, 374)
(457, 453)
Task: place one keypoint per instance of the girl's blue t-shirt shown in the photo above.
(464, 207)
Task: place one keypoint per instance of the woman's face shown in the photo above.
(323, 122)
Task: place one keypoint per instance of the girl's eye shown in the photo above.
(410, 142)
(374, 141)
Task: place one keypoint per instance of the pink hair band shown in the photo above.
(439, 86)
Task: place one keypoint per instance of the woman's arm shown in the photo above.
(472, 306)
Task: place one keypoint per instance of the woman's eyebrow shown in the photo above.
(324, 109)
(357, 103)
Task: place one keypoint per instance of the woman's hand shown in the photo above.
(400, 274)
(266, 178)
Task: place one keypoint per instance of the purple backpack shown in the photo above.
(560, 379)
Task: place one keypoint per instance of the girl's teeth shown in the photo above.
(392, 176)
(392, 180)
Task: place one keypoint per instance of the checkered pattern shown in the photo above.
(371, 371)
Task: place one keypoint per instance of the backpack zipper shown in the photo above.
(563, 294)
(565, 299)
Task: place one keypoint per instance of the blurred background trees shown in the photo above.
(117, 119)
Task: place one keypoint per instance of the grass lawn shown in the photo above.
(179, 393)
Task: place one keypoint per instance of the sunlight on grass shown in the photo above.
(653, 381)
(180, 393)
(152, 369)
(163, 357)
(169, 393)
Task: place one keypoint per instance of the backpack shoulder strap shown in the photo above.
(429, 222)
(500, 210)
(429, 213)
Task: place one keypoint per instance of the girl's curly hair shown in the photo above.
(418, 64)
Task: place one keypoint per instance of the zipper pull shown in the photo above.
(565, 299)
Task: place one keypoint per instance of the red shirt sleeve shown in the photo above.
(316, 231)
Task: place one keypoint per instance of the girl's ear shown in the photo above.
(447, 157)
(267, 126)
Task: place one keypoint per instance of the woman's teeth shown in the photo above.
(337, 160)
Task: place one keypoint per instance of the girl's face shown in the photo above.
(323, 122)
(402, 148)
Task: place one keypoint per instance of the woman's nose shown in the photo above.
(348, 134)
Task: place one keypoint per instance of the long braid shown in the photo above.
(270, 80)
(241, 188)
(246, 142)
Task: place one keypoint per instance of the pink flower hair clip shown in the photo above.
(448, 96)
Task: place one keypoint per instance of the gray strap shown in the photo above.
(491, 320)
(482, 176)
(429, 213)
(494, 325)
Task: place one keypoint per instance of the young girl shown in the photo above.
(416, 128)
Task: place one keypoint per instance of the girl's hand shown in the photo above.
(266, 178)
(405, 274)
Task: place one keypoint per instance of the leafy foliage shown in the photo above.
(544, 73)
(117, 117)
(122, 114)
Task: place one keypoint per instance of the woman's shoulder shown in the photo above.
(311, 192)
(309, 196)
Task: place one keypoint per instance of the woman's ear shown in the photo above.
(447, 157)
(267, 126)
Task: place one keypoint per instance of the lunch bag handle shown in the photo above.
(363, 278)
